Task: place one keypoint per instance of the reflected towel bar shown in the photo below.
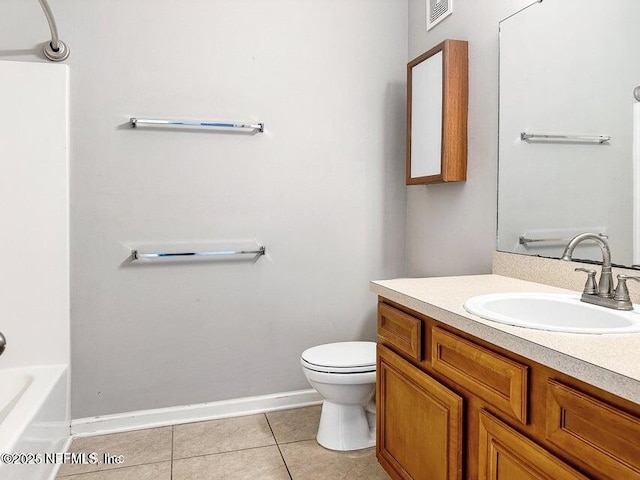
(524, 136)
(135, 122)
(526, 241)
(136, 255)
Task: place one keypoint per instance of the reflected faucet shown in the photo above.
(3, 343)
(603, 295)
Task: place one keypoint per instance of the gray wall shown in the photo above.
(322, 188)
(451, 228)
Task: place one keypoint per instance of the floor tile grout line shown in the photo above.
(111, 467)
(172, 437)
(71, 476)
(226, 451)
(288, 442)
(108, 469)
(278, 445)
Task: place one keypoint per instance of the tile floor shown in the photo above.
(272, 446)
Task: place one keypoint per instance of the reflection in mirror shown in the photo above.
(426, 117)
(569, 68)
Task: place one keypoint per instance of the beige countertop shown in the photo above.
(610, 361)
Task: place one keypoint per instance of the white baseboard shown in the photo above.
(124, 422)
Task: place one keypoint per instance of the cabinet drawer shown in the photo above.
(400, 330)
(505, 454)
(591, 429)
(496, 379)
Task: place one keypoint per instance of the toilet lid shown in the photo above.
(342, 356)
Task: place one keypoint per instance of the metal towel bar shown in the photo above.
(526, 241)
(524, 136)
(136, 255)
(135, 122)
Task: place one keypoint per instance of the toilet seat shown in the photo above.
(341, 357)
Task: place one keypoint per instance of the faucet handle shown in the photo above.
(622, 292)
(591, 287)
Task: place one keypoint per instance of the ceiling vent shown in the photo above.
(438, 10)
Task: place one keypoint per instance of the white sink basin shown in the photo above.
(552, 311)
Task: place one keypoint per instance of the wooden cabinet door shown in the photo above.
(419, 422)
(505, 454)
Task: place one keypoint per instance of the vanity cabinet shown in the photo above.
(452, 406)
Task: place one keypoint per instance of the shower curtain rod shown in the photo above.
(55, 50)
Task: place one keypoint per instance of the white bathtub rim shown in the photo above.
(56, 468)
(22, 414)
(11, 391)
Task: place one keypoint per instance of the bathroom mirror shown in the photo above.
(568, 69)
(437, 97)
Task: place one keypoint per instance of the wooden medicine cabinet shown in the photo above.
(437, 98)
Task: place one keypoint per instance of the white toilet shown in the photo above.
(344, 374)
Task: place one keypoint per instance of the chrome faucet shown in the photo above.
(601, 294)
(3, 343)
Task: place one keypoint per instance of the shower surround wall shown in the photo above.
(34, 214)
(322, 188)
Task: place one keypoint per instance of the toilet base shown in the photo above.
(344, 427)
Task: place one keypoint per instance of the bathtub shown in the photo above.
(34, 419)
